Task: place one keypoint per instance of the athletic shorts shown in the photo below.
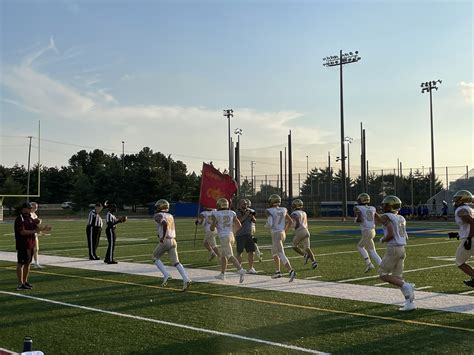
(210, 238)
(463, 255)
(277, 242)
(393, 261)
(301, 237)
(24, 256)
(226, 245)
(245, 242)
(168, 246)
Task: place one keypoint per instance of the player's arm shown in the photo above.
(213, 223)
(199, 220)
(269, 219)
(467, 218)
(390, 230)
(296, 220)
(237, 224)
(288, 221)
(165, 228)
(358, 215)
(377, 218)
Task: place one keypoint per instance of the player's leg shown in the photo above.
(108, 234)
(174, 259)
(89, 242)
(276, 257)
(157, 254)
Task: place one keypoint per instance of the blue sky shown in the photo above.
(159, 73)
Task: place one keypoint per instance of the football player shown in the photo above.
(302, 233)
(278, 221)
(210, 238)
(225, 220)
(464, 217)
(167, 237)
(258, 253)
(366, 215)
(395, 235)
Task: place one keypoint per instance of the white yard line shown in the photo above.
(157, 321)
(382, 295)
(467, 292)
(381, 284)
(313, 277)
(423, 288)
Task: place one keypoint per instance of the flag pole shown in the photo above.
(199, 207)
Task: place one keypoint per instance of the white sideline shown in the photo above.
(384, 295)
(202, 330)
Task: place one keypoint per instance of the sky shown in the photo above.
(159, 73)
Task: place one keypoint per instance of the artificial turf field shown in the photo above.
(127, 314)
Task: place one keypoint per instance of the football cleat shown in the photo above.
(411, 292)
(276, 275)
(252, 271)
(314, 265)
(186, 285)
(369, 268)
(292, 275)
(221, 276)
(222, 204)
(408, 306)
(297, 204)
(162, 205)
(363, 199)
(165, 281)
(212, 256)
(242, 275)
(462, 196)
(274, 200)
(391, 203)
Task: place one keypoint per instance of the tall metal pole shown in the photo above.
(281, 173)
(340, 61)
(229, 113)
(252, 163)
(28, 181)
(307, 165)
(428, 87)
(238, 132)
(123, 155)
(330, 176)
(290, 170)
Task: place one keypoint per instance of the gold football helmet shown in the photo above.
(363, 198)
(222, 204)
(162, 205)
(462, 196)
(297, 204)
(391, 203)
(274, 200)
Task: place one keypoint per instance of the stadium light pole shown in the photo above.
(229, 113)
(307, 170)
(348, 140)
(331, 61)
(28, 179)
(428, 87)
(238, 132)
(123, 155)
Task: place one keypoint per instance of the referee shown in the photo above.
(93, 229)
(111, 221)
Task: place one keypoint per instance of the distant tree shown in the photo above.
(12, 187)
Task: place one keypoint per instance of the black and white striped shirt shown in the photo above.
(94, 219)
(111, 220)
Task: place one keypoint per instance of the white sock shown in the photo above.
(159, 264)
(406, 290)
(182, 272)
(375, 257)
(364, 254)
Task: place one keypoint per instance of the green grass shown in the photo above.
(325, 324)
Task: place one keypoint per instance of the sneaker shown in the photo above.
(112, 262)
(314, 265)
(186, 285)
(96, 258)
(252, 271)
(221, 276)
(292, 275)
(469, 282)
(21, 287)
(369, 267)
(306, 258)
(408, 306)
(276, 275)
(164, 283)
(242, 275)
(28, 285)
(212, 256)
(411, 293)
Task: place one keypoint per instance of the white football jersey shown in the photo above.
(225, 222)
(278, 218)
(367, 214)
(399, 229)
(206, 220)
(170, 228)
(301, 219)
(464, 227)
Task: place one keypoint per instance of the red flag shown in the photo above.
(215, 185)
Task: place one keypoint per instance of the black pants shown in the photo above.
(93, 237)
(111, 237)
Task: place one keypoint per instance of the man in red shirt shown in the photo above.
(25, 236)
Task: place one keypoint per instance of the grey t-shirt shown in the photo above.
(246, 228)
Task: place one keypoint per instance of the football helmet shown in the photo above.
(363, 199)
(243, 203)
(222, 204)
(249, 203)
(274, 200)
(162, 205)
(391, 203)
(297, 204)
(462, 196)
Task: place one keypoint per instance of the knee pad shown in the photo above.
(283, 258)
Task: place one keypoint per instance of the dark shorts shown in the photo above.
(245, 242)
(24, 256)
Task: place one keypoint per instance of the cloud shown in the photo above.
(29, 59)
(467, 90)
